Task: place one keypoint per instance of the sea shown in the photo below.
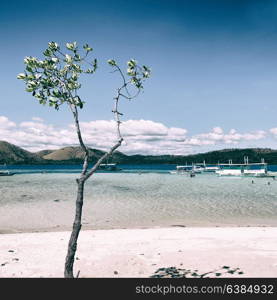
(42, 198)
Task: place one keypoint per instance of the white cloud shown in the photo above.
(5, 123)
(140, 136)
(232, 137)
(37, 119)
(273, 131)
(217, 130)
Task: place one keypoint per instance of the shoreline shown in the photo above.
(140, 252)
(91, 228)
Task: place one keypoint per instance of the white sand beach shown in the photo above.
(140, 252)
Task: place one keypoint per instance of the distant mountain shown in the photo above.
(223, 156)
(76, 154)
(11, 154)
(43, 153)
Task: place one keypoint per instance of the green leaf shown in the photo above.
(132, 63)
(52, 99)
(27, 59)
(37, 76)
(146, 74)
(74, 76)
(29, 89)
(70, 86)
(47, 52)
(21, 76)
(87, 48)
(71, 46)
(53, 46)
(89, 71)
(112, 62)
(29, 69)
(55, 59)
(68, 58)
(56, 93)
(94, 64)
(31, 77)
(77, 57)
(77, 68)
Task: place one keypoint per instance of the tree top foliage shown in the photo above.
(55, 79)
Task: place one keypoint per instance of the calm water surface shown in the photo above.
(43, 198)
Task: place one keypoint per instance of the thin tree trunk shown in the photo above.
(72, 245)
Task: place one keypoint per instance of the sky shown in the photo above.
(213, 83)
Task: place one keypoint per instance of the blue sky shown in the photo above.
(214, 69)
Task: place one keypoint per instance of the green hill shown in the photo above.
(11, 154)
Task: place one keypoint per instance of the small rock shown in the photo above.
(56, 200)
(115, 273)
(16, 259)
(11, 251)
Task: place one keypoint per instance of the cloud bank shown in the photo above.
(140, 136)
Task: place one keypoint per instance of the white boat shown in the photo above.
(188, 169)
(202, 167)
(198, 169)
(211, 168)
(244, 170)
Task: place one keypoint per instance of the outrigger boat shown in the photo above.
(245, 169)
(6, 172)
(197, 168)
(210, 168)
(188, 169)
(207, 168)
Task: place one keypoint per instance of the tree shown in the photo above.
(54, 81)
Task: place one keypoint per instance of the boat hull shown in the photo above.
(7, 174)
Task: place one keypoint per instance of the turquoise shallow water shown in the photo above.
(45, 201)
